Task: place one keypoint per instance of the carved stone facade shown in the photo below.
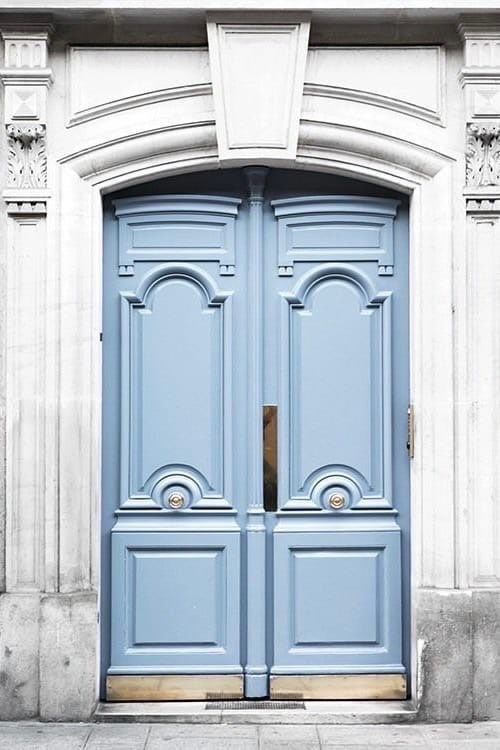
(421, 117)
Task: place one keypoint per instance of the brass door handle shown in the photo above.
(270, 456)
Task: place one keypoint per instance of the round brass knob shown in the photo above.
(176, 500)
(336, 500)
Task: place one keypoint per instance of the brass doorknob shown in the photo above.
(336, 500)
(176, 500)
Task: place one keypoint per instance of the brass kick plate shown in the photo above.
(173, 687)
(338, 687)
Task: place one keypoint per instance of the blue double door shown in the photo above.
(255, 471)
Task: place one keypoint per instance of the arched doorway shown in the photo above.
(255, 475)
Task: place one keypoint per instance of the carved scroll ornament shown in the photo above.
(27, 159)
(483, 155)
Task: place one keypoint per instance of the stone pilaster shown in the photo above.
(479, 511)
(25, 78)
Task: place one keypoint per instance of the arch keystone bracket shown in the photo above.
(257, 115)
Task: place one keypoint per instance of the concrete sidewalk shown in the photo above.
(34, 736)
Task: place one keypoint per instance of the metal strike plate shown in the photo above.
(410, 439)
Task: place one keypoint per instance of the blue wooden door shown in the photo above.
(255, 476)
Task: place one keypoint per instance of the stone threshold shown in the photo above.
(315, 712)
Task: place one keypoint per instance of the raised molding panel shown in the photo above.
(198, 571)
(177, 227)
(183, 445)
(313, 601)
(407, 79)
(149, 75)
(25, 478)
(315, 318)
(341, 228)
(483, 360)
(257, 116)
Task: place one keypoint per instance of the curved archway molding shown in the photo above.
(75, 355)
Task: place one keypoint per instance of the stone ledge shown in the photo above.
(316, 712)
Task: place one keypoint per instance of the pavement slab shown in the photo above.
(20, 736)
(376, 735)
(143, 736)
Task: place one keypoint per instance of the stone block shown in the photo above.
(19, 648)
(444, 629)
(486, 649)
(68, 658)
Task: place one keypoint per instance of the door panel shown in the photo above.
(176, 601)
(337, 343)
(173, 303)
(336, 539)
(214, 306)
(339, 598)
(164, 397)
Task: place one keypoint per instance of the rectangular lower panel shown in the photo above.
(339, 687)
(173, 687)
(339, 599)
(175, 602)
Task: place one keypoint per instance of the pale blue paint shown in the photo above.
(339, 600)
(175, 601)
(214, 305)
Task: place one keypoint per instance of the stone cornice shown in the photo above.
(26, 77)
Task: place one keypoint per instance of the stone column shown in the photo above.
(25, 78)
(48, 629)
(480, 348)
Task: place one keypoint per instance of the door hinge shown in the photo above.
(100, 336)
(410, 436)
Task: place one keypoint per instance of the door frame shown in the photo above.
(116, 682)
(428, 177)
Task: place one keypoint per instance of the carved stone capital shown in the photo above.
(27, 157)
(483, 155)
(26, 47)
(26, 78)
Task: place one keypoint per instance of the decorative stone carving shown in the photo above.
(257, 117)
(26, 48)
(25, 79)
(480, 76)
(483, 155)
(27, 163)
